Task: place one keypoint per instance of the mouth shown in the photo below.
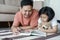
(26, 16)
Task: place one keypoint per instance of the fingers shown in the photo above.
(15, 30)
(28, 30)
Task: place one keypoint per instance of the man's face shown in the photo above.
(27, 11)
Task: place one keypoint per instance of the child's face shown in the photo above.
(44, 17)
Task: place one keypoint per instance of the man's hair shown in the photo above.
(26, 2)
(48, 11)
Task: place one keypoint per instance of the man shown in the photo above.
(27, 17)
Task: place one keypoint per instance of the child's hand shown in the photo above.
(45, 27)
(41, 29)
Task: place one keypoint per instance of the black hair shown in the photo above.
(48, 11)
(26, 2)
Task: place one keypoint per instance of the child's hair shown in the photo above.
(48, 11)
(26, 2)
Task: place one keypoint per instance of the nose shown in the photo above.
(27, 13)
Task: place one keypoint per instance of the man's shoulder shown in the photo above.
(18, 13)
(35, 10)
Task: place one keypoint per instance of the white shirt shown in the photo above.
(53, 22)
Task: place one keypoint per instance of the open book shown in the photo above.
(34, 33)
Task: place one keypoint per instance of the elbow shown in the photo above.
(55, 31)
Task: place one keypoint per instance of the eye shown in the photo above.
(25, 10)
(30, 10)
(44, 17)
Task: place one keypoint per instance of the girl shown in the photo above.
(46, 23)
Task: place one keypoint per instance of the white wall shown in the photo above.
(38, 5)
(55, 4)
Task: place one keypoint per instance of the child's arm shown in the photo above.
(50, 30)
(39, 26)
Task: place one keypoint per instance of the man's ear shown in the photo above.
(20, 8)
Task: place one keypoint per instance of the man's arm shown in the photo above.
(15, 30)
(15, 24)
(26, 27)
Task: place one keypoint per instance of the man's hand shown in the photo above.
(15, 30)
(28, 30)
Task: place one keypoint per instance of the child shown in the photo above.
(46, 23)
